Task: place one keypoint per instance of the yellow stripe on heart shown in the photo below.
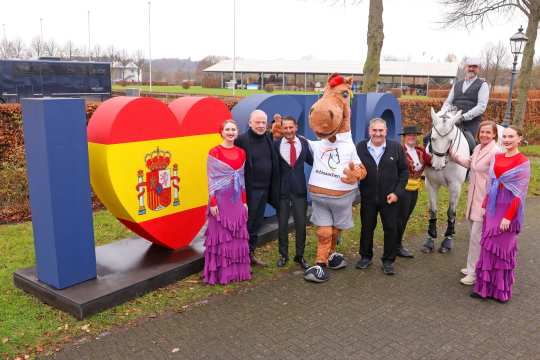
(114, 174)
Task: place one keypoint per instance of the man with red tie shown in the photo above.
(293, 153)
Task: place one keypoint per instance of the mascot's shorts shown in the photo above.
(333, 211)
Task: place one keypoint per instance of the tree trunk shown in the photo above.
(375, 37)
(525, 73)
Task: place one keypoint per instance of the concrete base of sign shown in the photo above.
(126, 269)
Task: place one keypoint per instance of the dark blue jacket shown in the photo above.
(292, 179)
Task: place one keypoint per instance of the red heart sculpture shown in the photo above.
(148, 163)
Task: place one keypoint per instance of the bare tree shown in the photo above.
(450, 58)
(469, 13)
(494, 61)
(124, 59)
(139, 61)
(51, 48)
(205, 62)
(5, 49)
(375, 37)
(36, 47)
(70, 50)
(112, 54)
(18, 48)
(96, 52)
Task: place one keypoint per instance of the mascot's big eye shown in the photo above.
(345, 94)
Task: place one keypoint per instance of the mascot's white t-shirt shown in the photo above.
(329, 160)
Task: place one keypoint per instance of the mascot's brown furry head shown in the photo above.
(331, 114)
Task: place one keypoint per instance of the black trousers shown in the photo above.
(406, 205)
(298, 205)
(256, 202)
(368, 216)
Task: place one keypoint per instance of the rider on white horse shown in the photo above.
(471, 96)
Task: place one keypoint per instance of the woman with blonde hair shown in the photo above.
(478, 163)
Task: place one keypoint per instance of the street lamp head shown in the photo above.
(518, 41)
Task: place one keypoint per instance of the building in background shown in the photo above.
(410, 77)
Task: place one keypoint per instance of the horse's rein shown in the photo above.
(451, 143)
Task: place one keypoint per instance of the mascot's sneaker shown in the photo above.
(336, 261)
(316, 274)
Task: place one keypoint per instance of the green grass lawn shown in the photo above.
(28, 326)
(531, 150)
(199, 90)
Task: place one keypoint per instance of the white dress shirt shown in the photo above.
(483, 98)
(411, 150)
(285, 149)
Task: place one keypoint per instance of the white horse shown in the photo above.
(445, 136)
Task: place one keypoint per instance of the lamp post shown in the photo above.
(234, 49)
(149, 49)
(517, 43)
(89, 56)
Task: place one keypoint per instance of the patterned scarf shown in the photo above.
(220, 175)
(515, 180)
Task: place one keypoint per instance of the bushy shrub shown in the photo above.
(186, 84)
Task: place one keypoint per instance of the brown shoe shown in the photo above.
(255, 261)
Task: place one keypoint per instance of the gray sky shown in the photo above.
(266, 29)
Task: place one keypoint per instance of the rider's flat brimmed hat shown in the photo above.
(473, 61)
(410, 130)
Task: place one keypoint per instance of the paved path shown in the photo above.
(421, 313)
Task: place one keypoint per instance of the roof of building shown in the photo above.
(388, 68)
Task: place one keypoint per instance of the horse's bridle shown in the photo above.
(441, 135)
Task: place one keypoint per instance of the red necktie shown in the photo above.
(293, 153)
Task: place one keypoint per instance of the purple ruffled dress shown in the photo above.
(226, 254)
(495, 267)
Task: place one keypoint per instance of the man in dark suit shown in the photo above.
(380, 190)
(292, 152)
(261, 173)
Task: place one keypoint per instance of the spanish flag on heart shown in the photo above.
(148, 163)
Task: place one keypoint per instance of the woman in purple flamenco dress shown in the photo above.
(504, 205)
(226, 254)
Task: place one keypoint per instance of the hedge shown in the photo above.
(13, 189)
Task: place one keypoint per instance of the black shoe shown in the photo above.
(336, 261)
(363, 263)
(302, 262)
(404, 252)
(255, 261)
(388, 268)
(282, 261)
(316, 274)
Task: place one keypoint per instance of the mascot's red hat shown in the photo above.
(335, 79)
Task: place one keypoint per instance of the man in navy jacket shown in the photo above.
(292, 152)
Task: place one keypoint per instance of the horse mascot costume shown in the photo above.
(333, 182)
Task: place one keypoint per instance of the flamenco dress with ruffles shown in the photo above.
(506, 199)
(226, 254)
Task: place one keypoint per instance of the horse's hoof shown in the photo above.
(428, 246)
(444, 250)
(426, 250)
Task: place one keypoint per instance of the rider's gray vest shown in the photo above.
(465, 101)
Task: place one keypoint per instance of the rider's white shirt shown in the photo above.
(329, 161)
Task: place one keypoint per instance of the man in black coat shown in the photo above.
(292, 152)
(261, 173)
(380, 190)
